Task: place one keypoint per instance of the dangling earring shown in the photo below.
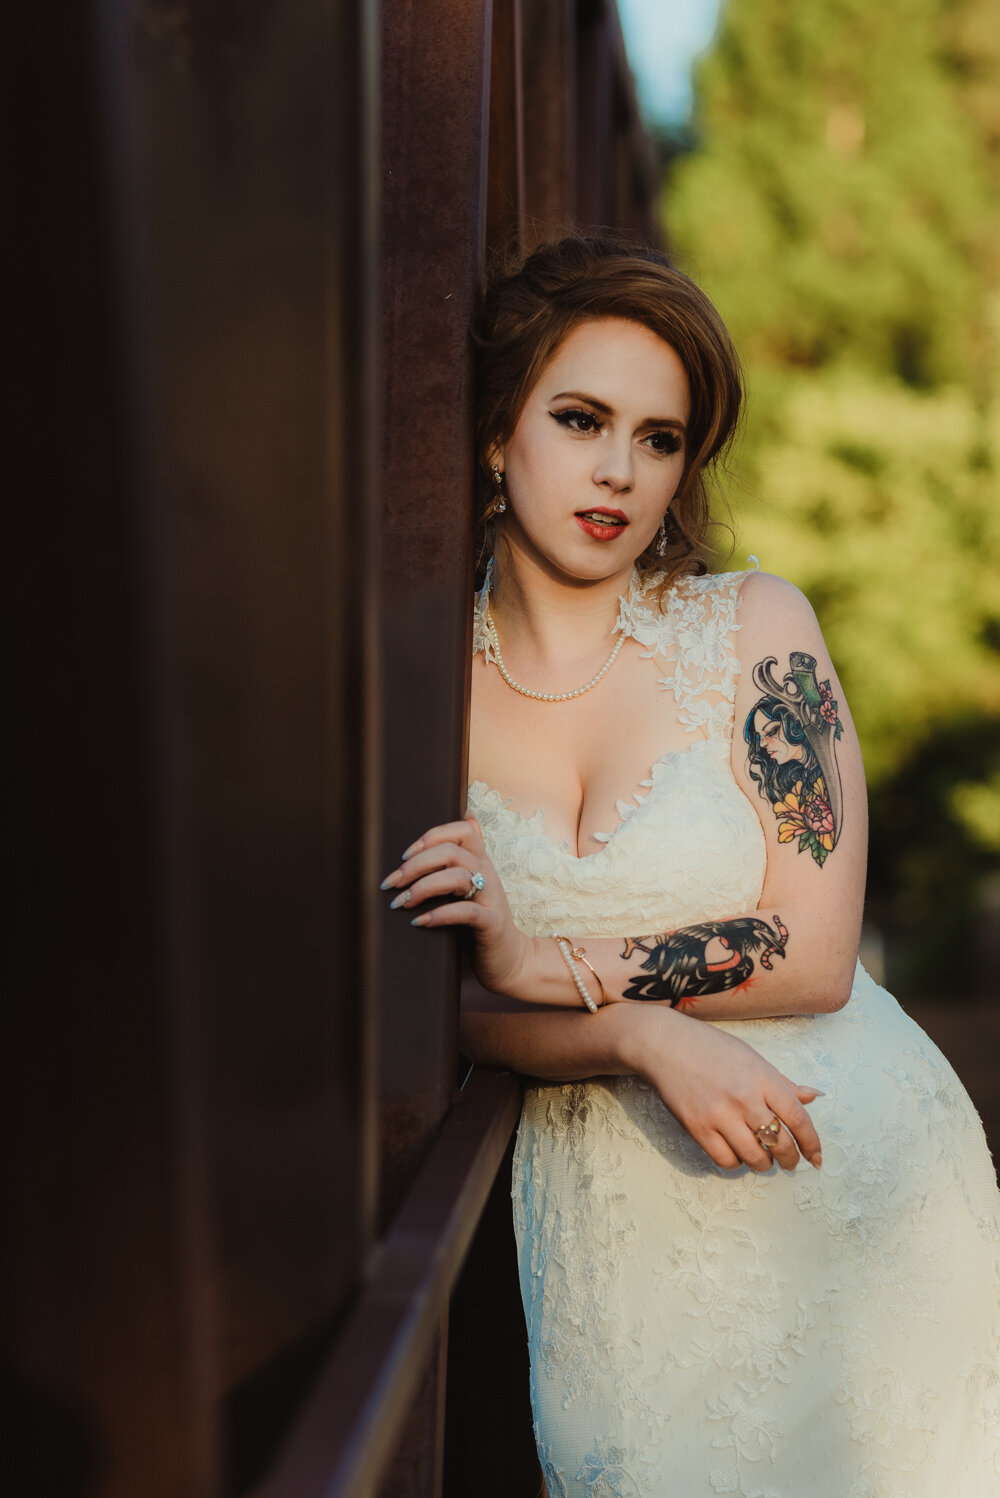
(662, 544)
(498, 503)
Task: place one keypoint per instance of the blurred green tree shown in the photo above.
(841, 205)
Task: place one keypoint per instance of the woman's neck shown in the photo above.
(549, 619)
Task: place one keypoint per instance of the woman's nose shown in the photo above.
(614, 465)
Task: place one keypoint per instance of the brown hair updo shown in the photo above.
(525, 314)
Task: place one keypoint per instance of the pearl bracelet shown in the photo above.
(571, 955)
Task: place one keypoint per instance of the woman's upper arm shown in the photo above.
(797, 759)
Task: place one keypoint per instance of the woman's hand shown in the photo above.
(719, 1088)
(450, 862)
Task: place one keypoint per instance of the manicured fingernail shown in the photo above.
(420, 920)
(819, 1092)
(816, 1159)
(403, 899)
(413, 848)
(390, 881)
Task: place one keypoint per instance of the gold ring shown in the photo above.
(768, 1133)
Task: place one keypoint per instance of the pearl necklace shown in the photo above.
(545, 696)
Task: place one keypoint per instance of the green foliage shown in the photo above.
(841, 203)
(842, 199)
(976, 806)
(873, 497)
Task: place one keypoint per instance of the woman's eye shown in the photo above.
(665, 442)
(577, 421)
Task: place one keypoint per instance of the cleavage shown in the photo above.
(575, 761)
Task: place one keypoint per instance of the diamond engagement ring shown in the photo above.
(476, 883)
(768, 1133)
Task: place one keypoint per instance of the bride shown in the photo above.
(662, 873)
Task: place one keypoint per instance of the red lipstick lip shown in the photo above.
(599, 532)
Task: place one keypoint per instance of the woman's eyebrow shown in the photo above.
(578, 395)
(606, 410)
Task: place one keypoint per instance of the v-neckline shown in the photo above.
(632, 606)
(526, 819)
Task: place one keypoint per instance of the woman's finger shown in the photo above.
(456, 881)
(800, 1125)
(474, 824)
(782, 1147)
(750, 1150)
(439, 856)
(447, 832)
(453, 913)
(718, 1150)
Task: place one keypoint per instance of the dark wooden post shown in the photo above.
(192, 1192)
(505, 204)
(595, 69)
(435, 79)
(548, 63)
(433, 205)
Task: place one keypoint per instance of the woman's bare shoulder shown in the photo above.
(770, 602)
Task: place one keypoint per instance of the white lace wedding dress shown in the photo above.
(695, 1331)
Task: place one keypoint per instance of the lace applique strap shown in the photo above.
(693, 633)
(480, 634)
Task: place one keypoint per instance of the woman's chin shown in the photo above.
(587, 563)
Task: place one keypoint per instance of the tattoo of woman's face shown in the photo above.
(771, 735)
(710, 957)
(791, 734)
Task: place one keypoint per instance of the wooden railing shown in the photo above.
(358, 1406)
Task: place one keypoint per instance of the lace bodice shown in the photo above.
(688, 846)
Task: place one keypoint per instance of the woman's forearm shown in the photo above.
(562, 1044)
(746, 966)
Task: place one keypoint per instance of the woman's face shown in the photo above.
(773, 741)
(598, 451)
